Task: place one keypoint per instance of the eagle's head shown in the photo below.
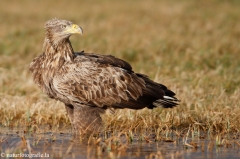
(58, 30)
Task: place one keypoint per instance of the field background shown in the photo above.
(190, 46)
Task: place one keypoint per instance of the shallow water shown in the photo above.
(64, 145)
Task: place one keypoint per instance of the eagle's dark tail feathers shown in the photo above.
(158, 94)
(166, 102)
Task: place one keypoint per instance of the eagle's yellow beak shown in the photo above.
(74, 29)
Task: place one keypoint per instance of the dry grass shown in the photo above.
(190, 46)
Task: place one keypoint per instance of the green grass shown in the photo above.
(190, 46)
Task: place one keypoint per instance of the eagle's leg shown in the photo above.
(70, 111)
(85, 119)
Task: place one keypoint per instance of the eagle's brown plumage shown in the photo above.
(87, 83)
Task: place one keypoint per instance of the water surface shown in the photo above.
(66, 145)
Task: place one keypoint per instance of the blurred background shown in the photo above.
(190, 46)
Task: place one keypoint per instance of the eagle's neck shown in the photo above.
(45, 66)
(57, 53)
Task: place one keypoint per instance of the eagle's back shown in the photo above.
(106, 81)
(93, 81)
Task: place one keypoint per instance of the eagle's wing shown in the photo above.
(97, 80)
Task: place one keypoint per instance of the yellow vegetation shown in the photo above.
(190, 46)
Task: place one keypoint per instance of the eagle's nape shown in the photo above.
(90, 83)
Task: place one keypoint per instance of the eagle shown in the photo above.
(89, 84)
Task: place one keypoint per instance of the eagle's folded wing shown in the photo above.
(96, 84)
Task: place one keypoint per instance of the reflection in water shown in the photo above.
(64, 145)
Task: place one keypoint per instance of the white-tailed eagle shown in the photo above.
(88, 83)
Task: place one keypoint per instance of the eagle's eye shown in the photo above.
(63, 26)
